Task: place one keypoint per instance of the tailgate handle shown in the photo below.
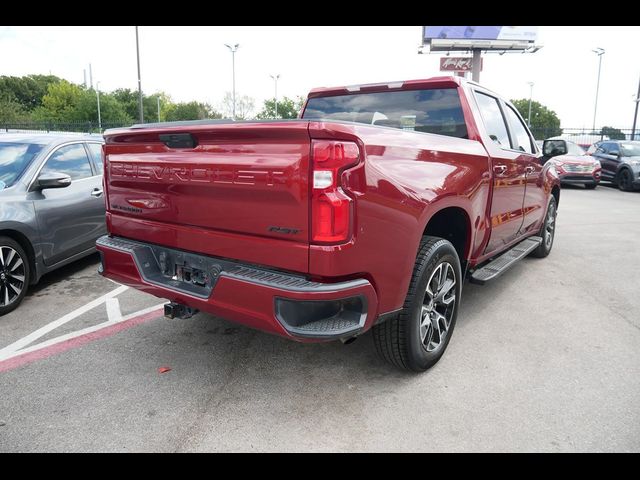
(178, 140)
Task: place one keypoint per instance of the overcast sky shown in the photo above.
(192, 63)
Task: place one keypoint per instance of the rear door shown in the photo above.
(508, 174)
(69, 219)
(534, 195)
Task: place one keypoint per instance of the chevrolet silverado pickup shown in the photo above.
(367, 212)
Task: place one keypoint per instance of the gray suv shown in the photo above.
(51, 206)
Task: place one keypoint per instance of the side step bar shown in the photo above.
(504, 262)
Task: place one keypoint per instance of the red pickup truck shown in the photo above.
(367, 212)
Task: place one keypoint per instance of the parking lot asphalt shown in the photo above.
(546, 358)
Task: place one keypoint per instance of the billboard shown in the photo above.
(527, 34)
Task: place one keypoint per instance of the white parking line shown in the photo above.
(93, 328)
(113, 309)
(32, 337)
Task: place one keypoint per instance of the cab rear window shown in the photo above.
(435, 110)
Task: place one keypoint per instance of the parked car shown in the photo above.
(571, 162)
(366, 213)
(51, 206)
(620, 161)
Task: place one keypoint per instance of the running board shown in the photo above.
(504, 262)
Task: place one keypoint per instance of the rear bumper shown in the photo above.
(285, 304)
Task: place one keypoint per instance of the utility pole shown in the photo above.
(530, 97)
(598, 51)
(275, 78)
(139, 81)
(158, 107)
(233, 51)
(635, 115)
(98, 98)
(90, 77)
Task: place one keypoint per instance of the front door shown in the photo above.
(69, 219)
(608, 161)
(508, 175)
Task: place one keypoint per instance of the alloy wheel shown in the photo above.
(12, 275)
(438, 307)
(549, 226)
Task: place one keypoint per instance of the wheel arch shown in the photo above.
(453, 224)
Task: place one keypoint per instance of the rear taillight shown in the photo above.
(331, 209)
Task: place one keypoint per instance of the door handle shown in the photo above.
(499, 169)
(96, 192)
(528, 170)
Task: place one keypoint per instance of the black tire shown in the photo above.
(408, 341)
(547, 230)
(590, 186)
(624, 180)
(14, 274)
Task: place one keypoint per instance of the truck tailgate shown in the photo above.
(242, 192)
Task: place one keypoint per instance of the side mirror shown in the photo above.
(553, 148)
(52, 180)
(615, 153)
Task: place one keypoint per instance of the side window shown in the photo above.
(519, 131)
(70, 159)
(493, 119)
(96, 153)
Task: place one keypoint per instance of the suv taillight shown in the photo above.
(331, 209)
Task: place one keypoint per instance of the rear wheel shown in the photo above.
(14, 274)
(417, 338)
(624, 180)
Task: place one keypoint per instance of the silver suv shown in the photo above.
(51, 206)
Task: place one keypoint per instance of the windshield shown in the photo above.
(432, 111)
(630, 149)
(14, 159)
(574, 149)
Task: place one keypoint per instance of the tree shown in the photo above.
(68, 102)
(244, 106)
(544, 122)
(190, 111)
(287, 108)
(613, 133)
(26, 91)
(10, 110)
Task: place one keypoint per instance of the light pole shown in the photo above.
(598, 51)
(139, 81)
(275, 78)
(233, 51)
(635, 114)
(530, 97)
(98, 98)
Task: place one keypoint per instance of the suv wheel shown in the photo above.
(417, 338)
(624, 180)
